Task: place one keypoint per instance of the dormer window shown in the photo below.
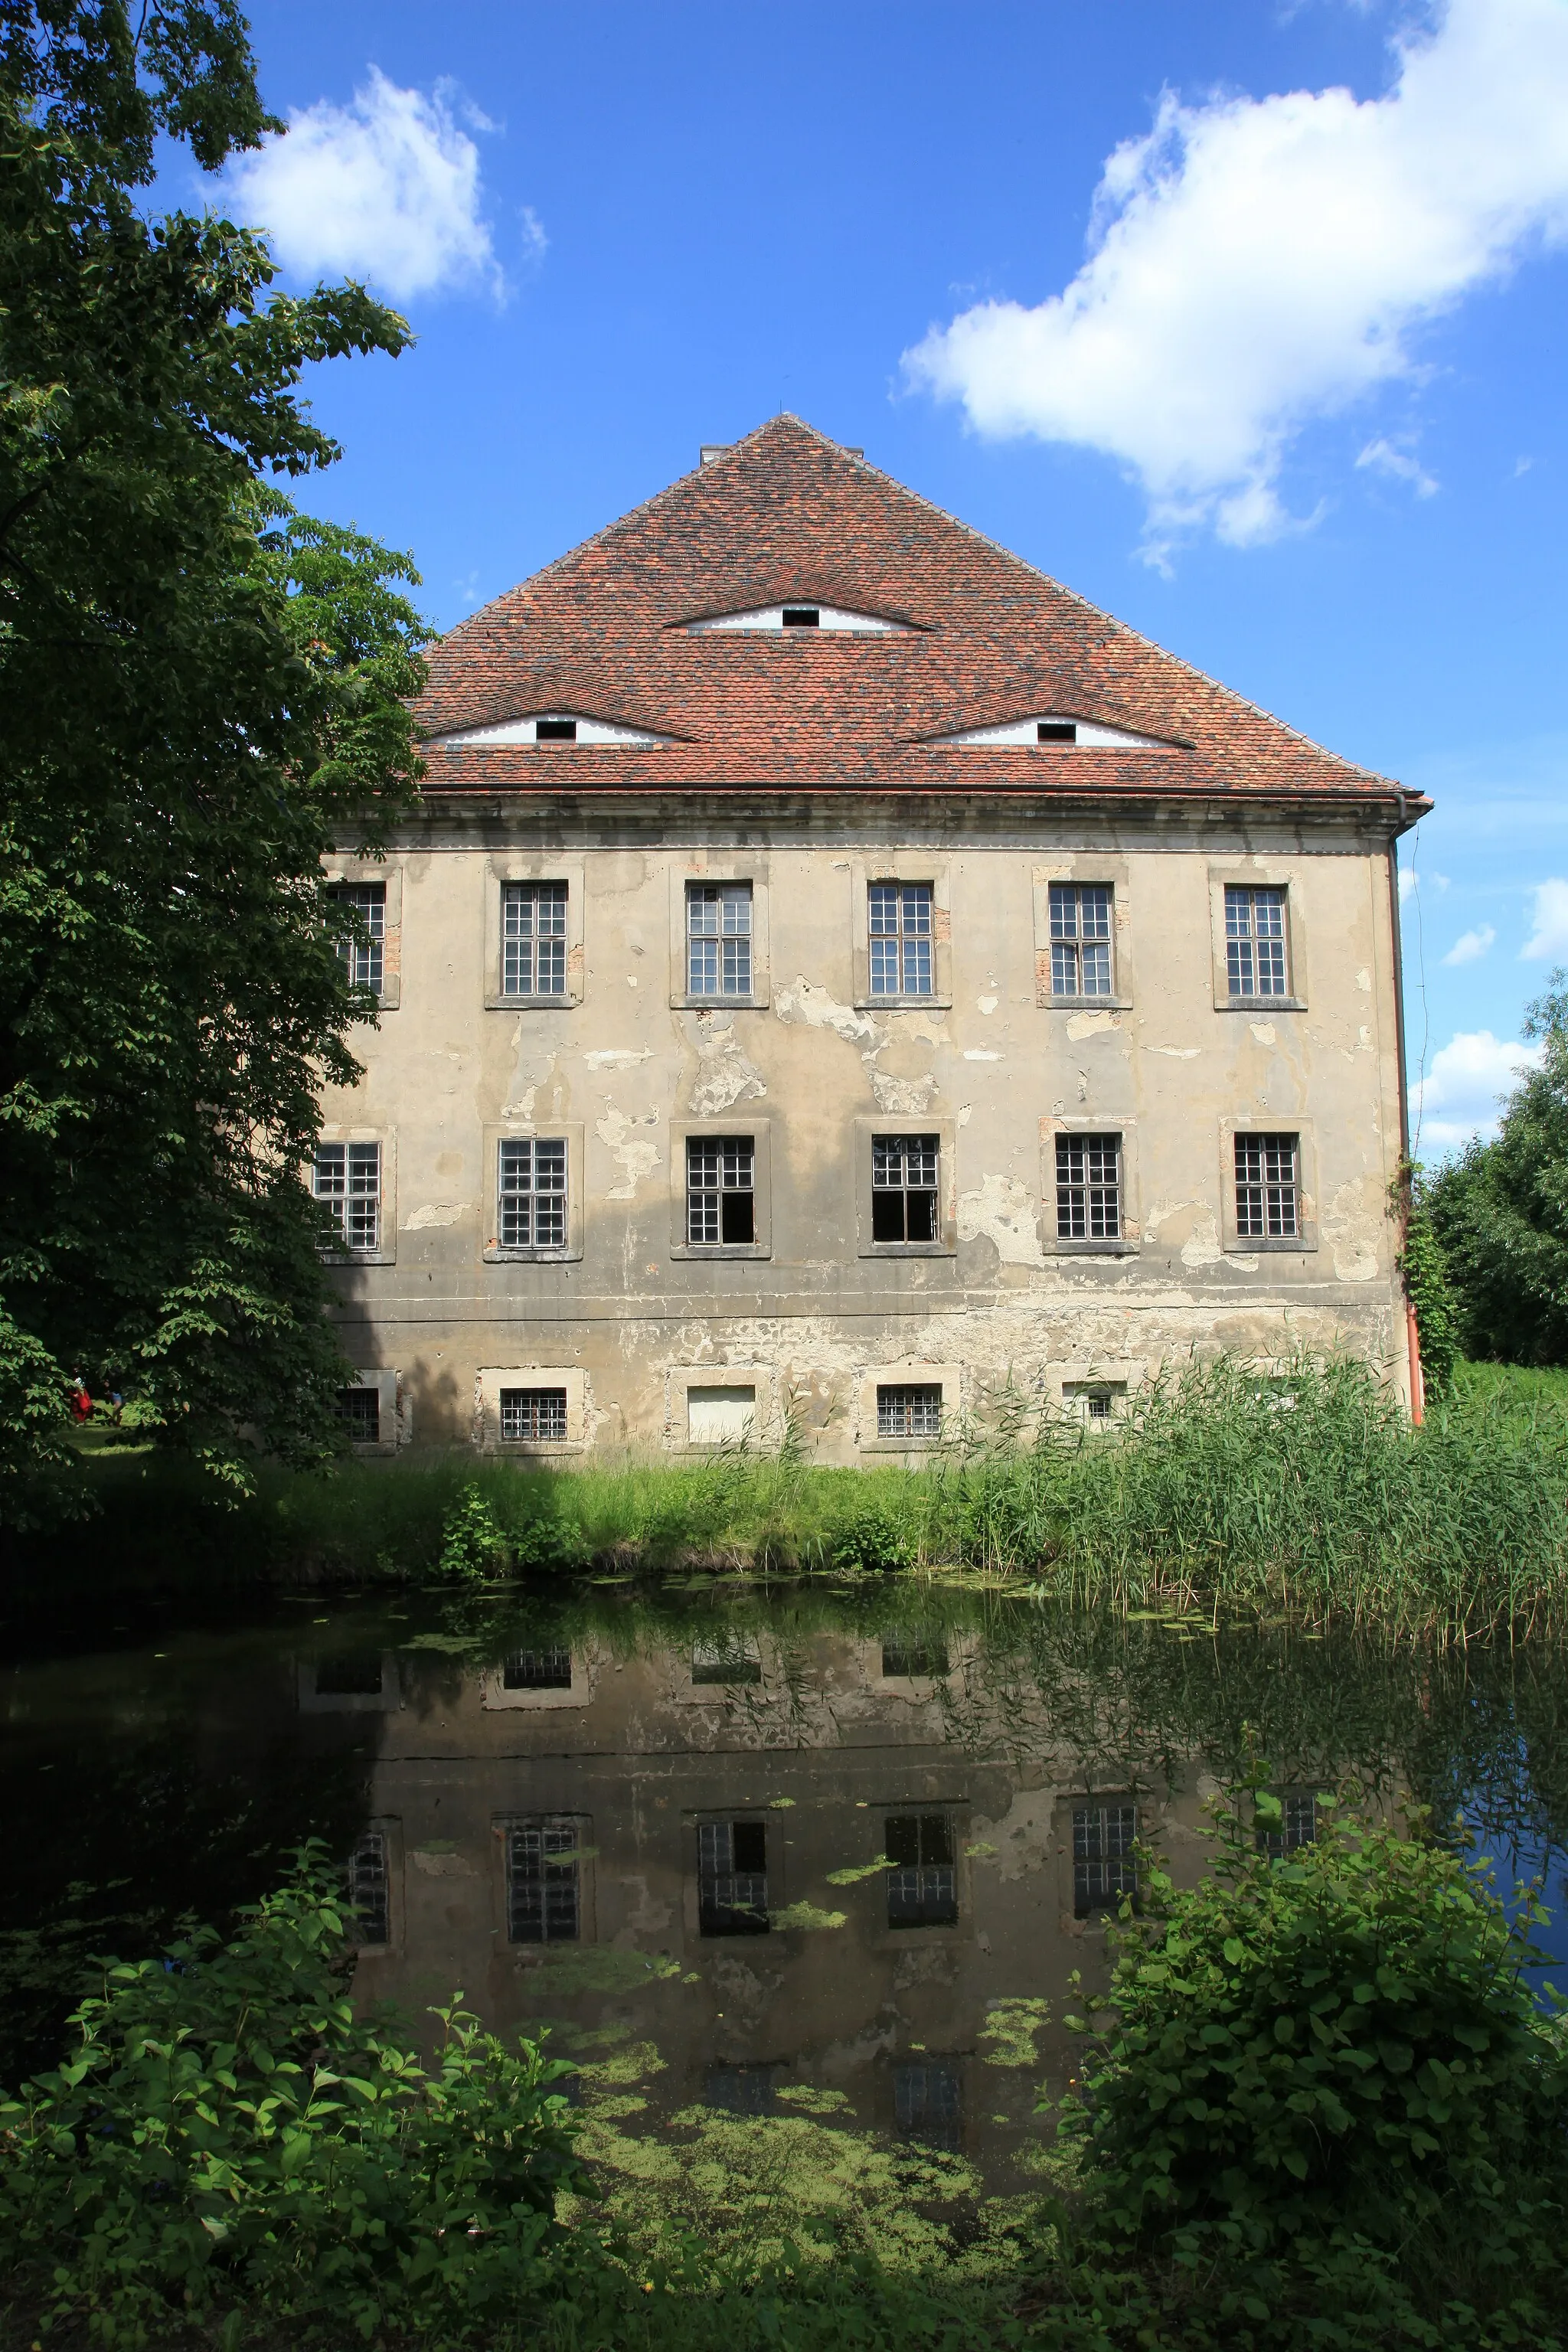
(802, 616)
(1052, 727)
(555, 731)
(829, 619)
(552, 727)
(1055, 730)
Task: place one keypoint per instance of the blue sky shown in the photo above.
(1247, 321)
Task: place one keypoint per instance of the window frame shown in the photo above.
(681, 1378)
(716, 871)
(868, 1131)
(902, 867)
(524, 1817)
(1131, 1240)
(1258, 874)
(1304, 1242)
(574, 1135)
(385, 1250)
(343, 872)
(698, 1131)
(392, 1413)
(488, 1386)
(1094, 1917)
(501, 868)
(1108, 873)
(495, 1697)
(771, 1872)
(909, 1374)
(388, 1827)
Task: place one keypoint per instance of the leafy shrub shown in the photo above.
(473, 1544)
(873, 1541)
(549, 1541)
(228, 2134)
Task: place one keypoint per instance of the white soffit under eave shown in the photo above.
(523, 730)
(1091, 736)
(830, 619)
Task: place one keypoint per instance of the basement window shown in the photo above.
(927, 2103)
(744, 2090)
(1104, 1865)
(370, 1888)
(555, 731)
(1055, 730)
(537, 1670)
(908, 1655)
(350, 1674)
(922, 1883)
(731, 1658)
(360, 1410)
(542, 1882)
(908, 1410)
(802, 616)
(534, 1416)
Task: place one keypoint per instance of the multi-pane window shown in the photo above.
(904, 1188)
(534, 1416)
(719, 939)
(364, 949)
(533, 939)
(1080, 939)
(720, 1188)
(537, 1670)
(901, 928)
(1298, 1825)
(927, 2103)
(532, 1186)
(1089, 1188)
(370, 1888)
(348, 1178)
(543, 1892)
(922, 1879)
(740, 2090)
(1254, 941)
(733, 1879)
(360, 1410)
(912, 1654)
(1104, 1865)
(1268, 1187)
(908, 1409)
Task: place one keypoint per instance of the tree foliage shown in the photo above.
(202, 690)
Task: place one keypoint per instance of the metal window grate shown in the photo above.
(542, 1882)
(904, 1188)
(360, 1409)
(364, 949)
(370, 1888)
(1089, 1188)
(902, 929)
(907, 1654)
(1267, 1187)
(531, 1192)
(908, 1409)
(1254, 941)
(928, 2103)
(348, 1178)
(534, 1416)
(1080, 939)
(1104, 1866)
(922, 1883)
(537, 1670)
(720, 1188)
(533, 939)
(1298, 1825)
(733, 1879)
(719, 939)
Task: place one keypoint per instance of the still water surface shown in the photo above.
(827, 1850)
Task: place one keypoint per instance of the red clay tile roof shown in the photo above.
(787, 515)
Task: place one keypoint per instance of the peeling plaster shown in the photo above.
(916, 1022)
(965, 1112)
(978, 1054)
(908, 1098)
(726, 1076)
(1264, 1031)
(818, 1009)
(438, 1212)
(1023, 1834)
(1004, 1211)
(619, 1058)
(1091, 1025)
(1177, 1053)
(988, 1004)
(1364, 981)
(636, 1157)
(1351, 1234)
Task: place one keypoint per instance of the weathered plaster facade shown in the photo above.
(624, 1316)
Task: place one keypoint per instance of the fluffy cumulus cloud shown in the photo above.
(1470, 946)
(1259, 263)
(1548, 923)
(1461, 1093)
(387, 189)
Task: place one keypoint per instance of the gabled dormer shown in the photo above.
(546, 726)
(803, 613)
(1055, 731)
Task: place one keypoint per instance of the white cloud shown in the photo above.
(1470, 946)
(387, 189)
(1550, 936)
(1255, 262)
(1411, 880)
(1460, 1096)
(1383, 458)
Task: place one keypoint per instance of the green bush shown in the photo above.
(228, 2134)
(873, 1539)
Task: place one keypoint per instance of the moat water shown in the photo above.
(827, 1853)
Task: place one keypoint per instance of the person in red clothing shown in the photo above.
(81, 1403)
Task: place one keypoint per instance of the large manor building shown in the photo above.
(837, 975)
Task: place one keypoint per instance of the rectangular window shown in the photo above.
(927, 2105)
(1267, 1187)
(1080, 939)
(719, 939)
(370, 1888)
(1104, 1867)
(531, 1207)
(740, 2090)
(904, 1188)
(1298, 1826)
(555, 731)
(534, 1416)
(906, 1654)
(922, 1882)
(348, 1178)
(350, 1674)
(726, 1416)
(1055, 730)
(728, 1658)
(533, 939)
(363, 953)
(537, 1670)
(1089, 1188)
(733, 1879)
(900, 939)
(908, 1409)
(1255, 940)
(360, 1409)
(720, 1188)
(542, 1882)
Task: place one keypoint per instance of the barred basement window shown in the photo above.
(719, 939)
(740, 2090)
(534, 1416)
(1089, 1188)
(349, 1673)
(733, 1879)
(1267, 1187)
(720, 1188)
(1255, 940)
(360, 1409)
(730, 1658)
(907, 1654)
(908, 1409)
(542, 1882)
(900, 939)
(922, 1883)
(1081, 938)
(370, 1888)
(534, 937)
(1104, 1867)
(904, 1188)
(1298, 1826)
(537, 1670)
(348, 1178)
(531, 1205)
(928, 2103)
(363, 952)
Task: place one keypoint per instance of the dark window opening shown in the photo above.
(370, 1888)
(733, 1879)
(1104, 1866)
(746, 2090)
(904, 1188)
(927, 2103)
(537, 1670)
(361, 1408)
(1056, 731)
(922, 1882)
(1098, 1402)
(907, 1654)
(721, 1190)
(1298, 1825)
(802, 616)
(555, 731)
(350, 1674)
(534, 1416)
(541, 1883)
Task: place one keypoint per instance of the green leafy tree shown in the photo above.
(202, 690)
(1499, 1213)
